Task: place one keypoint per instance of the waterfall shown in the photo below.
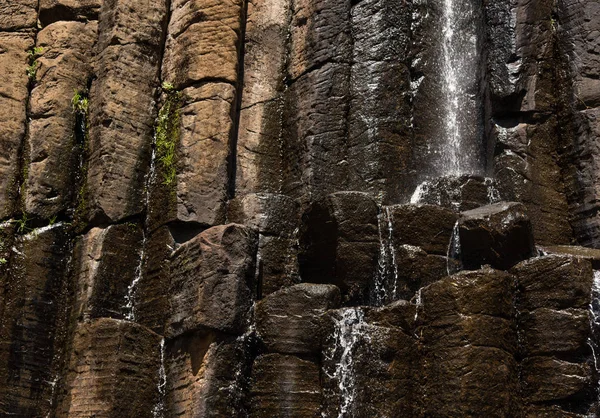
(453, 249)
(386, 280)
(159, 408)
(594, 340)
(131, 290)
(459, 67)
(347, 332)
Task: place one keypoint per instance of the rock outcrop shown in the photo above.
(309, 208)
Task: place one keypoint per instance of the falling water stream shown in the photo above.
(594, 340)
(347, 333)
(159, 408)
(459, 64)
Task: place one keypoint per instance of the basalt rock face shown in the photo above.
(308, 208)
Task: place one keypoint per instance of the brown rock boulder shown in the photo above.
(33, 318)
(112, 371)
(107, 262)
(554, 281)
(203, 42)
(51, 11)
(53, 148)
(212, 281)
(465, 325)
(289, 321)
(367, 369)
(205, 375)
(546, 331)
(18, 14)
(277, 219)
(499, 235)
(122, 100)
(13, 99)
(283, 385)
(548, 379)
(339, 244)
(426, 226)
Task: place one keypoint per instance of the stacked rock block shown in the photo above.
(285, 377)
(132, 133)
(555, 333)
(212, 288)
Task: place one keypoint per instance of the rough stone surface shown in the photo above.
(288, 321)
(18, 14)
(284, 385)
(546, 331)
(259, 161)
(380, 360)
(206, 135)
(13, 122)
(107, 261)
(122, 107)
(205, 375)
(53, 150)
(554, 281)
(466, 328)
(591, 254)
(339, 244)
(499, 235)
(426, 226)
(547, 379)
(203, 42)
(459, 193)
(212, 281)
(51, 11)
(33, 312)
(112, 371)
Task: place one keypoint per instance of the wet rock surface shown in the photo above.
(499, 235)
(296, 208)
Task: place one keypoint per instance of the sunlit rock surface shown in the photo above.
(298, 208)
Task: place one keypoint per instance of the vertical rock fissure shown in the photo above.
(237, 107)
(19, 208)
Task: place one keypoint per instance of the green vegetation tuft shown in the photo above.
(167, 134)
(3, 261)
(33, 65)
(80, 103)
(22, 227)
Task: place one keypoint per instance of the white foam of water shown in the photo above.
(387, 267)
(159, 408)
(132, 289)
(453, 252)
(348, 331)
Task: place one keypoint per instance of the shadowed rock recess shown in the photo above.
(299, 208)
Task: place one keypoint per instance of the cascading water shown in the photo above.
(347, 332)
(385, 287)
(594, 340)
(159, 408)
(453, 249)
(460, 63)
(131, 290)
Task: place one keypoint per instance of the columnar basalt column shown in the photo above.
(122, 107)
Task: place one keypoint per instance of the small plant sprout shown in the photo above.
(22, 224)
(3, 261)
(80, 103)
(168, 87)
(33, 66)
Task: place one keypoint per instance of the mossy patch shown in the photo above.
(167, 134)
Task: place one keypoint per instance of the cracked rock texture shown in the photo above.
(241, 208)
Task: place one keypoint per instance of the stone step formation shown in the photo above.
(299, 208)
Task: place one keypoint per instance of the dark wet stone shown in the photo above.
(499, 235)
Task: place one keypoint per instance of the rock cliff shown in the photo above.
(300, 208)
